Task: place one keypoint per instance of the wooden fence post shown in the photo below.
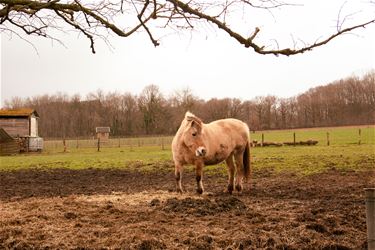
(370, 217)
(77, 143)
(328, 139)
(294, 139)
(98, 144)
(119, 142)
(64, 143)
(27, 145)
(262, 139)
(359, 136)
(162, 143)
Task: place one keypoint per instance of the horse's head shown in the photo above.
(192, 135)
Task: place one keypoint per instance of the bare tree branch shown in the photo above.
(153, 15)
(125, 17)
(248, 41)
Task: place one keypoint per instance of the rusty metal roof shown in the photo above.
(103, 129)
(18, 112)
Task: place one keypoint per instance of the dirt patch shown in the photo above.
(202, 207)
(80, 209)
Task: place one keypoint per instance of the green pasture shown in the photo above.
(344, 153)
(336, 136)
(89, 158)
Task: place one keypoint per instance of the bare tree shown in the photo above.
(348, 101)
(150, 104)
(98, 19)
(184, 100)
(128, 109)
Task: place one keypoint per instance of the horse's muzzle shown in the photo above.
(201, 151)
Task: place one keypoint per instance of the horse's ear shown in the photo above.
(189, 118)
(197, 123)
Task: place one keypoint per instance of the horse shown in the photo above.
(200, 144)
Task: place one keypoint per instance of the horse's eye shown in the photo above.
(194, 134)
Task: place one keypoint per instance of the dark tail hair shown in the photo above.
(246, 161)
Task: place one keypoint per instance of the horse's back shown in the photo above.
(230, 127)
(227, 134)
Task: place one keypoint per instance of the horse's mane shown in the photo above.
(191, 117)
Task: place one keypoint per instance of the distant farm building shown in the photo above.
(102, 133)
(22, 125)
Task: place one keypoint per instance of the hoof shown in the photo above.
(239, 187)
(199, 191)
(179, 190)
(230, 188)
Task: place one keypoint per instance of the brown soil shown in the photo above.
(118, 209)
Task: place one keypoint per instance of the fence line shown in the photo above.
(312, 137)
(119, 142)
(327, 137)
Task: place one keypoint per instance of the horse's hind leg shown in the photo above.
(178, 175)
(231, 169)
(238, 157)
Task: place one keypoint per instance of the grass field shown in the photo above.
(344, 153)
(337, 136)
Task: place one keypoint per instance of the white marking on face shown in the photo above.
(201, 151)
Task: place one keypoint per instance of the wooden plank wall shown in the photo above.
(9, 148)
(15, 126)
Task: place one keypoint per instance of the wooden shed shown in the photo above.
(102, 133)
(19, 122)
(22, 126)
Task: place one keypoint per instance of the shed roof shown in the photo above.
(103, 129)
(24, 112)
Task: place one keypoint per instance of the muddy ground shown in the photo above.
(118, 209)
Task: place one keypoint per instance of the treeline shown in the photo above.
(349, 101)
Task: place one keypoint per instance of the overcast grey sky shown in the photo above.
(208, 62)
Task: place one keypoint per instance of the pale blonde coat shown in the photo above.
(208, 144)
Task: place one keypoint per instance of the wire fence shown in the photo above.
(322, 137)
(69, 144)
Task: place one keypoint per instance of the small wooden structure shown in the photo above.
(8, 145)
(19, 122)
(22, 125)
(102, 133)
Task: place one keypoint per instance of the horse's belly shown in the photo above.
(213, 161)
(221, 154)
(216, 159)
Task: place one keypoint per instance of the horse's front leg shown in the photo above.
(178, 175)
(199, 176)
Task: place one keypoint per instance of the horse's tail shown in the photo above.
(246, 161)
